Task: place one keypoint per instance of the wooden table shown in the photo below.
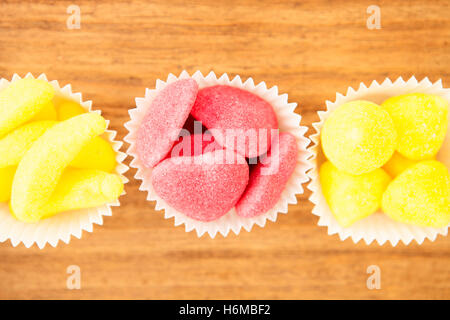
(310, 50)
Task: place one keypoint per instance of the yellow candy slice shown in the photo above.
(81, 188)
(47, 113)
(21, 101)
(397, 164)
(67, 109)
(359, 137)
(40, 169)
(421, 123)
(97, 154)
(15, 144)
(6, 180)
(352, 197)
(420, 195)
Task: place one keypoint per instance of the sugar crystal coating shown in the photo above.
(97, 154)
(42, 165)
(232, 113)
(352, 197)
(359, 137)
(421, 123)
(420, 195)
(6, 180)
(203, 192)
(269, 177)
(194, 145)
(165, 118)
(21, 101)
(397, 164)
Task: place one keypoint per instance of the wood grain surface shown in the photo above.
(310, 50)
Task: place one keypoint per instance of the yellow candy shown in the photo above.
(21, 101)
(359, 137)
(47, 113)
(421, 123)
(67, 109)
(40, 169)
(81, 188)
(397, 164)
(98, 154)
(420, 195)
(6, 180)
(14, 145)
(352, 197)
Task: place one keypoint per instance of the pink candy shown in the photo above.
(232, 112)
(203, 192)
(196, 177)
(164, 119)
(269, 178)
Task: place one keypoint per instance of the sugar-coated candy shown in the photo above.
(6, 179)
(420, 195)
(21, 101)
(16, 143)
(205, 191)
(67, 109)
(232, 114)
(397, 164)
(421, 123)
(359, 137)
(97, 154)
(164, 120)
(269, 177)
(82, 188)
(47, 113)
(352, 197)
(42, 165)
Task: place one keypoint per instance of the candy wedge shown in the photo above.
(40, 169)
(97, 154)
(21, 101)
(15, 144)
(83, 188)
(47, 113)
(67, 109)
(6, 180)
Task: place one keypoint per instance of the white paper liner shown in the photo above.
(288, 121)
(64, 225)
(378, 226)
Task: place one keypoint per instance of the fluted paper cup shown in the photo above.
(288, 121)
(63, 226)
(377, 227)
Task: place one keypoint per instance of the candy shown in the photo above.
(359, 137)
(21, 101)
(164, 120)
(83, 188)
(48, 112)
(6, 180)
(397, 164)
(269, 177)
(67, 109)
(203, 192)
(238, 119)
(15, 144)
(352, 197)
(420, 195)
(97, 154)
(421, 123)
(42, 165)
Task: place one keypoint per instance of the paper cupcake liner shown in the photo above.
(65, 225)
(378, 227)
(288, 121)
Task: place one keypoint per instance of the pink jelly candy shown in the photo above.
(269, 177)
(165, 118)
(194, 145)
(238, 119)
(203, 192)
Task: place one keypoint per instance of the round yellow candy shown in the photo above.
(359, 137)
(397, 164)
(420, 195)
(352, 197)
(421, 123)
